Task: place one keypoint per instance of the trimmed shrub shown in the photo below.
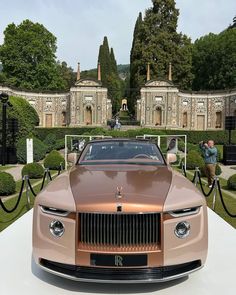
(39, 149)
(60, 144)
(7, 184)
(194, 160)
(33, 170)
(53, 160)
(218, 170)
(231, 183)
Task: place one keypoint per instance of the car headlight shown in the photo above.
(182, 229)
(57, 228)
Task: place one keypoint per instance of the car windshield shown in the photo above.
(132, 152)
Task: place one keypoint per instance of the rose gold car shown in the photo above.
(121, 214)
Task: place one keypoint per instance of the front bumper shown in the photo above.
(120, 275)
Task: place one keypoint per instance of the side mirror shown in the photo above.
(72, 158)
(171, 158)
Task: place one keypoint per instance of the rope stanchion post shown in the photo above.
(215, 183)
(26, 179)
(196, 176)
(47, 174)
(184, 170)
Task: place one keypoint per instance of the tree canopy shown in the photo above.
(214, 61)
(28, 57)
(157, 42)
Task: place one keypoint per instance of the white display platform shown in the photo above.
(20, 276)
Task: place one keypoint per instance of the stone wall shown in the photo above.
(162, 105)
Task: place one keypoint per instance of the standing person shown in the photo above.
(210, 159)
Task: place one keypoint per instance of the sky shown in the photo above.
(80, 25)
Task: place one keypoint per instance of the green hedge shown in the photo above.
(60, 132)
(25, 113)
(53, 160)
(231, 183)
(194, 160)
(33, 170)
(193, 137)
(7, 184)
(39, 149)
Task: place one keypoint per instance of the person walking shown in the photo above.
(210, 158)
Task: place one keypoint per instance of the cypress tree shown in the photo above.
(135, 64)
(113, 62)
(110, 77)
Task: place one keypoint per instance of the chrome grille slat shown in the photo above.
(119, 230)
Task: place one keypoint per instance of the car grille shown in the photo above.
(119, 229)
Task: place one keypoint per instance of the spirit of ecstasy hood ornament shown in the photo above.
(119, 192)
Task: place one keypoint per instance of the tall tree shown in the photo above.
(113, 62)
(214, 61)
(28, 57)
(105, 60)
(135, 64)
(67, 74)
(109, 74)
(157, 42)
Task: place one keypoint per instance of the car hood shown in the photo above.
(142, 188)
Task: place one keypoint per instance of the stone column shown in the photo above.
(78, 72)
(148, 72)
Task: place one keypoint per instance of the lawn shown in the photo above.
(3, 168)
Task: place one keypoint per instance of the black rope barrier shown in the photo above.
(194, 176)
(44, 176)
(49, 174)
(223, 202)
(26, 180)
(31, 188)
(201, 186)
(18, 200)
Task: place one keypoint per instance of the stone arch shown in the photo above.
(158, 116)
(63, 118)
(88, 114)
(218, 122)
(185, 119)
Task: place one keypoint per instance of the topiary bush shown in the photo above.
(39, 149)
(194, 160)
(33, 170)
(231, 183)
(60, 144)
(53, 160)
(7, 184)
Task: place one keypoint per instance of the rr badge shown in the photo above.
(118, 260)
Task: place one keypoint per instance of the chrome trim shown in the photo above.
(51, 228)
(118, 229)
(120, 281)
(54, 211)
(187, 225)
(185, 212)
